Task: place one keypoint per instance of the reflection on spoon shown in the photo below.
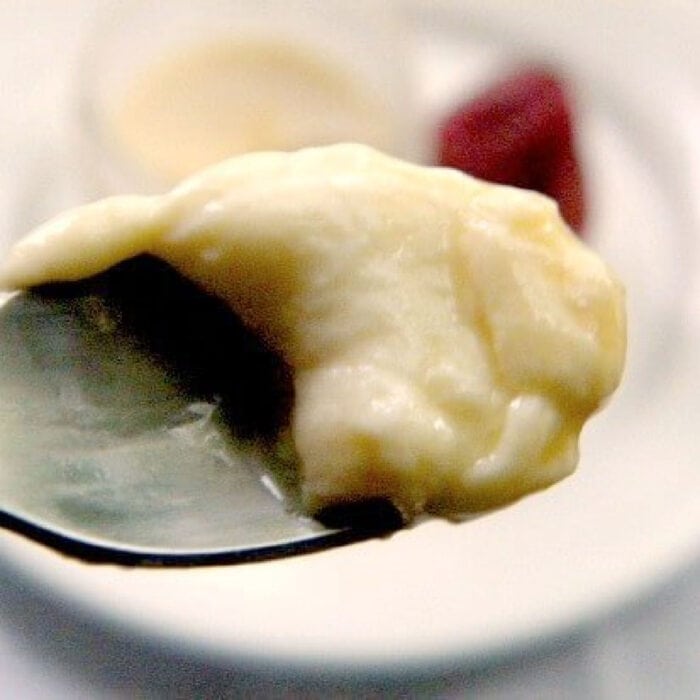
(141, 423)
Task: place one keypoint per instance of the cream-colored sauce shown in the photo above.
(211, 101)
(449, 337)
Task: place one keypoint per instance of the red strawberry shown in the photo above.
(519, 132)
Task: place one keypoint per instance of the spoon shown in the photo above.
(140, 423)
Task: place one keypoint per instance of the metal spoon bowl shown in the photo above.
(141, 423)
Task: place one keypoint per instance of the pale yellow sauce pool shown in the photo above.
(230, 96)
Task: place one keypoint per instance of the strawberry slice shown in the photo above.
(519, 132)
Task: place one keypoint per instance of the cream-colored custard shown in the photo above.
(448, 337)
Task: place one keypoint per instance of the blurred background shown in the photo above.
(106, 97)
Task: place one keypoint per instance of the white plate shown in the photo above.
(444, 593)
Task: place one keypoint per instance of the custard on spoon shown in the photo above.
(448, 337)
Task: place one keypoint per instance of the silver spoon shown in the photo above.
(141, 423)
